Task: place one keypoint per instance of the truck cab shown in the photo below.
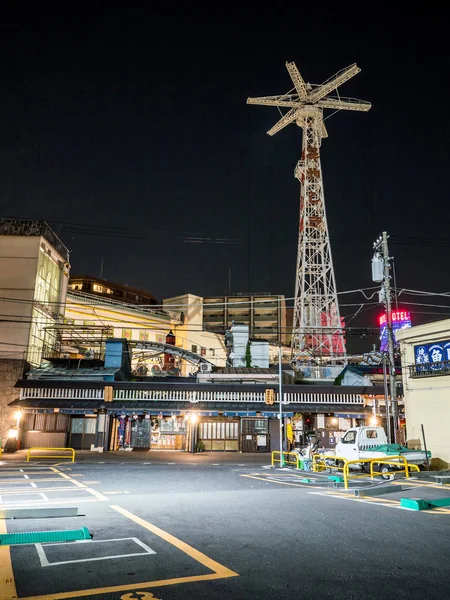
(360, 439)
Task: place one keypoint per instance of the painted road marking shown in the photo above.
(305, 485)
(381, 502)
(45, 562)
(22, 491)
(139, 596)
(79, 484)
(219, 571)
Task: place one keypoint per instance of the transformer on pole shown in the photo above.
(317, 328)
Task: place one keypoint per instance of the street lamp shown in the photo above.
(12, 435)
(193, 419)
(280, 415)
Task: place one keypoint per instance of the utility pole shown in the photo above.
(380, 272)
(280, 394)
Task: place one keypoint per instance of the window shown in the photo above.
(213, 430)
(211, 352)
(127, 334)
(194, 348)
(76, 286)
(349, 438)
(371, 434)
(144, 336)
(97, 288)
(109, 291)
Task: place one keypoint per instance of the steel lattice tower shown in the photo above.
(317, 328)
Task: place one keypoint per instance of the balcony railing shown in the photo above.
(431, 369)
(192, 396)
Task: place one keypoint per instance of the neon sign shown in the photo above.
(402, 316)
(401, 319)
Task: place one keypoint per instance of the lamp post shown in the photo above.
(280, 415)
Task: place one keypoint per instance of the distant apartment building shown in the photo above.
(108, 289)
(264, 313)
(34, 273)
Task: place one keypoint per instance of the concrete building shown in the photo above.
(109, 289)
(243, 351)
(425, 352)
(190, 333)
(34, 271)
(97, 402)
(265, 315)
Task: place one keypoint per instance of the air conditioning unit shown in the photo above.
(89, 354)
(205, 368)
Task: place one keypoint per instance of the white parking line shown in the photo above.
(44, 496)
(45, 563)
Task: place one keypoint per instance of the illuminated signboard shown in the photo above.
(433, 354)
(401, 319)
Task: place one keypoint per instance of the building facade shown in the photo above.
(191, 334)
(265, 315)
(179, 415)
(34, 271)
(109, 289)
(425, 352)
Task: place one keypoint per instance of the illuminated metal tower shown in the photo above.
(317, 328)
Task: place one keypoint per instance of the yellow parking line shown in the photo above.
(7, 584)
(219, 571)
(79, 484)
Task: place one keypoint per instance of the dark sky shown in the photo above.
(139, 122)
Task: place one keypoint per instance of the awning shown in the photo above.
(155, 407)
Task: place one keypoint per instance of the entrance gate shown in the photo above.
(254, 435)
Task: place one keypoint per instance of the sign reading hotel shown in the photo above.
(401, 319)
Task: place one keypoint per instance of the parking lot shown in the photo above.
(218, 530)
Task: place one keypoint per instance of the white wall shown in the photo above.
(190, 335)
(18, 265)
(427, 399)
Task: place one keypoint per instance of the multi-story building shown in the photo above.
(34, 271)
(90, 320)
(79, 405)
(108, 289)
(265, 315)
(192, 334)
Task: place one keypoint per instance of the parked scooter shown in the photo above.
(315, 447)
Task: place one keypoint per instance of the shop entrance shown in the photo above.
(140, 433)
(254, 435)
(82, 432)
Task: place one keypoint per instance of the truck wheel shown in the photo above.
(384, 470)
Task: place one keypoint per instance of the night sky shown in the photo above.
(137, 125)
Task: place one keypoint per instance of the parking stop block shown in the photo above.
(38, 537)
(421, 504)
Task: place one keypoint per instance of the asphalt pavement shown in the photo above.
(218, 531)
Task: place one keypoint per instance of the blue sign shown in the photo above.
(446, 350)
(421, 355)
(436, 354)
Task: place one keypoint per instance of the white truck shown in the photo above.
(371, 442)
